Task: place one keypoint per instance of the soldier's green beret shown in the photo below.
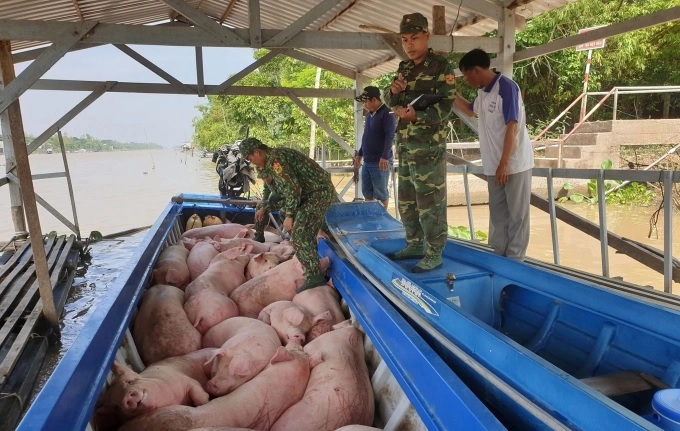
(413, 23)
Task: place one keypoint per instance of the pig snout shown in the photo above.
(216, 388)
(297, 338)
(132, 400)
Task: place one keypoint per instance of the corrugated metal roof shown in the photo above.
(345, 16)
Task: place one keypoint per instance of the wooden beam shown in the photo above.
(506, 29)
(158, 88)
(78, 11)
(218, 31)
(246, 70)
(194, 36)
(200, 79)
(318, 120)
(43, 63)
(26, 186)
(155, 69)
(254, 21)
(650, 20)
(227, 11)
(284, 36)
(324, 64)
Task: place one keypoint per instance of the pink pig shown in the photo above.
(260, 263)
(277, 284)
(316, 301)
(224, 231)
(161, 328)
(173, 381)
(247, 346)
(258, 247)
(255, 405)
(209, 307)
(199, 258)
(339, 390)
(172, 268)
(290, 321)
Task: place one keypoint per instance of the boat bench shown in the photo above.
(583, 342)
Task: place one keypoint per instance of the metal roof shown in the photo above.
(345, 16)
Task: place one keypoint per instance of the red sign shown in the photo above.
(593, 44)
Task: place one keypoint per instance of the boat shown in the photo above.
(542, 347)
(414, 387)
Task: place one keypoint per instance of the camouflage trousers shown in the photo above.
(261, 225)
(422, 202)
(309, 218)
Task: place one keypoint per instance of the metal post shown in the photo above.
(553, 219)
(585, 86)
(668, 231)
(468, 203)
(69, 184)
(616, 102)
(602, 208)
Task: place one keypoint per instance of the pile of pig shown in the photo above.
(229, 345)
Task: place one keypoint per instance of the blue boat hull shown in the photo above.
(521, 337)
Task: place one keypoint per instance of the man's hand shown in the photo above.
(288, 224)
(357, 161)
(382, 164)
(259, 214)
(502, 173)
(398, 85)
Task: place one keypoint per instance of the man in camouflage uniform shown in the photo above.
(271, 200)
(307, 193)
(421, 144)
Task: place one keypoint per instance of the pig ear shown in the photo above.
(322, 317)
(218, 353)
(258, 257)
(281, 355)
(298, 265)
(294, 315)
(241, 365)
(315, 359)
(264, 316)
(325, 263)
(246, 248)
(243, 233)
(121, 370)
(343, 324)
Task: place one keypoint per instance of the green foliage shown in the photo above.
(277, 121)
(90, 144)
(633, 193)
(85, 250)
(463, 232)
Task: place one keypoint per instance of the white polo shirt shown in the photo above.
(496, 105)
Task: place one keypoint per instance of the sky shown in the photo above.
(127, 117)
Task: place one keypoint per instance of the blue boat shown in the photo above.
(544, 349)
(414, 387)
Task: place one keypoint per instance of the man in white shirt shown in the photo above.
(507, 155)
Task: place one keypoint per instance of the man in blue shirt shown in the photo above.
(376, 146)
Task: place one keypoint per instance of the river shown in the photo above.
(117, 191)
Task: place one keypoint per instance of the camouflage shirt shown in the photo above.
(426, 137)
(296, 177)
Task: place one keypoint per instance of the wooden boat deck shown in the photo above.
(24, 331)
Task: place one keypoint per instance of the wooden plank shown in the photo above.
(19, 343)
(15, 286)
(12, 260)
(19, 269)
(614, 384)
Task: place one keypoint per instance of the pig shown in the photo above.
(200, 256)
(316, 301)
(161, 328)
(247, 347)
(222, 231)
(209, 307)
(255, 405)
(345, 428)
(339, 390)
(261, 263)
(193, 222)
(285, 250)
(272, 237)
(290, 321)
(277, 284)
(211, 220)
(221, 429)
(172, 268)
(173, 381)
(224, 273)
(258, 247)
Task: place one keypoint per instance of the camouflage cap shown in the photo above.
(248, 145)
(413, 23)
